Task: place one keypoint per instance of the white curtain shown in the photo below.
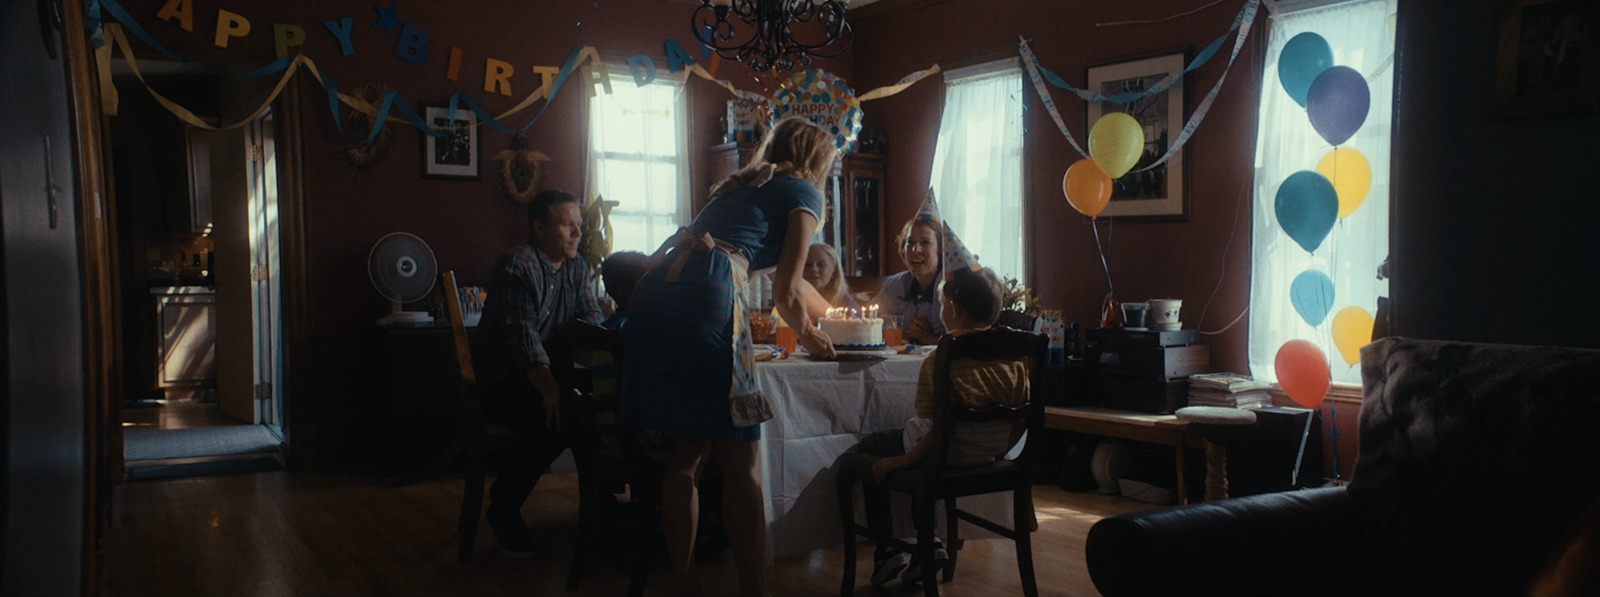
(638, 157)
(977, 165)
(1361, 33)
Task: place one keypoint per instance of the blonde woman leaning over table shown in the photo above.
(826, 274)
(691, 367)
(913, 295)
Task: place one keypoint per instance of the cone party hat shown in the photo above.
(957, 260)
(929, 209)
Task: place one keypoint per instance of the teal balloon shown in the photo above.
(1307, 207)
(1301, 61)
(1311, 293)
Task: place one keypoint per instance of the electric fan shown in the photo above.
(402, 268)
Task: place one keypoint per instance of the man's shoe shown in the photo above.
(511, 534)
(889, 566)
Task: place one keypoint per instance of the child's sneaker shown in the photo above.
(887, 566)
(917, 572)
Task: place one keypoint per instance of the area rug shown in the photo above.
(147, 444)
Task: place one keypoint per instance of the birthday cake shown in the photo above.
(851, 329)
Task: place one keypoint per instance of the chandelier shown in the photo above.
(773, 35)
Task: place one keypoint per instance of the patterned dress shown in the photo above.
(689, 360)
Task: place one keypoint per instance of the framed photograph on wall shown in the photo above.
(1547, 63)
(458, 153)
(1156, 193)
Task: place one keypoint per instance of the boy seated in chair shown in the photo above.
(968, 302)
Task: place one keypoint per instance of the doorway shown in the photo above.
(197, 232)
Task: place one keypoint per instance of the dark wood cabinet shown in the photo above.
(860, 188)
(855, 195)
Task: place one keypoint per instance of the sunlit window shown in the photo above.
(638, 148)
(1317, 279)
(977, 165)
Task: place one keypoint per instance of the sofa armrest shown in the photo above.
(1268, 544)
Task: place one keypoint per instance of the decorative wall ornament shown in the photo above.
(366, 155)
(521, 170)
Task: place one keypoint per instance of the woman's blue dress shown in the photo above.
(688, 342)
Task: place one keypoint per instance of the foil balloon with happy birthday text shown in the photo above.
(823, 98)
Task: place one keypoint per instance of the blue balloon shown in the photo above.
(1307, 207)
(1312, 296)
(1337, 103)
(1302, 59)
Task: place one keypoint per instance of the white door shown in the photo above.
(266, 284)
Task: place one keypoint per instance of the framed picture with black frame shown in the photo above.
(1547, 63)
(1156, 193)
(457, 154)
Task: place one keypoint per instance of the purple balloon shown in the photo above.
(1337, 103)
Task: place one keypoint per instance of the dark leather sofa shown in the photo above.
(1475, 462)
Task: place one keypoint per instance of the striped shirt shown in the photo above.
(527, 297)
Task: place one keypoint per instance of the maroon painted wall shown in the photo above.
(1187, 260)
(466, 223)
(1470, 186)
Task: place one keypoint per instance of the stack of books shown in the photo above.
(1228, 389)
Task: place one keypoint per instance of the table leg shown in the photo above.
(1183, 487)
(1216, 471)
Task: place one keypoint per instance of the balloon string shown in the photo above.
(1103, 262)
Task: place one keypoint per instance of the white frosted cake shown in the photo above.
(854, 332)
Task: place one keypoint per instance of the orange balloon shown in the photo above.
(1303, 372)
(1087, 187)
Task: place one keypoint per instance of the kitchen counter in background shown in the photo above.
(186, 349)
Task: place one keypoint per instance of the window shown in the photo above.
(638, 141)
(1361, 34)
(977, 164)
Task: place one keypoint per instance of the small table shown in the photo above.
(1128, 425)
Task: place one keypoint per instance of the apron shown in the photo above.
(746, 404)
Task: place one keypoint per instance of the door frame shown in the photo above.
(97, 207)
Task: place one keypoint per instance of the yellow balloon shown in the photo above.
(1352, 329)
(1351, 175)
(1115, 143)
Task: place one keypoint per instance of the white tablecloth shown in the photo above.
(823, 408)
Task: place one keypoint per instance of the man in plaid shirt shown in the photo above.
(532, 287)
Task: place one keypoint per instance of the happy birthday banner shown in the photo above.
(1040, 75)
(412, 46)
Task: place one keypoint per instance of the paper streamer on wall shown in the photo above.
(1241, 27)
(391, 101)
(1032, 63)
(379, 112)
(906, 81)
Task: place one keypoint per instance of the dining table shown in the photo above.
(821, 409)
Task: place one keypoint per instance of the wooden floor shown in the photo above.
(181, 409)
(283, 533)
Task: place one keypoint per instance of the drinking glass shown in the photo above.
(893, 330)
(762, 326)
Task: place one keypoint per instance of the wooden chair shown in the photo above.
(933, 482)
(600, 466)
(474, 437)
